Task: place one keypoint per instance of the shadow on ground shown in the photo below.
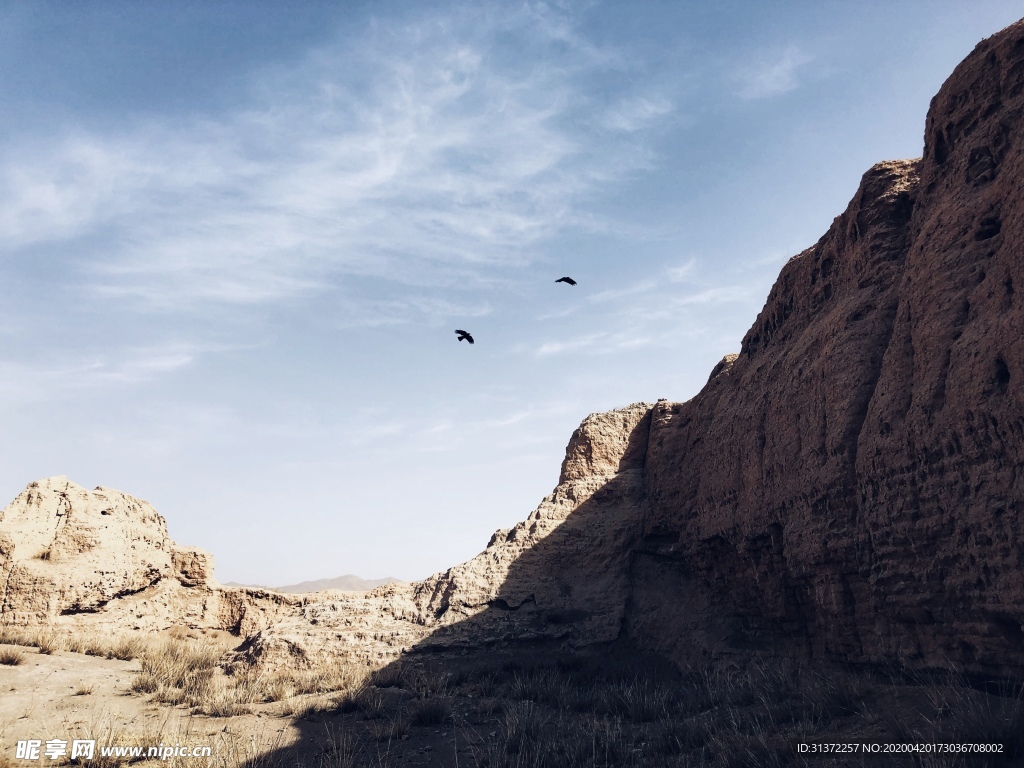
(547, 676)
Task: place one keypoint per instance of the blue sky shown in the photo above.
(235, 239)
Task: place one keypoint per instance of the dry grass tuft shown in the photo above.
(180, 672)
(183, 670)
(49, 642)
(126, 648)
(431, 712)
(11, 657)
(50, 639)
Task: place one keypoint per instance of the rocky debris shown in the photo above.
(346, 583)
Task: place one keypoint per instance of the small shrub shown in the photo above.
(178, 671)
(341, 750)
(426, 683)
(278, 689)
(11, 657)
(639, 701)
(387, 677)
(47, 643)
(431, 712)
(523, 727)
(347, 703)
(126, 648)
(145, 682)
(301, 707)
(391, 729)
(371, 703)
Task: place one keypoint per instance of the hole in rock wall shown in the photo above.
(988, 228)
(1002, 380)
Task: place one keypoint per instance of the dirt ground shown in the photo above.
(504, 712)
(69, 696)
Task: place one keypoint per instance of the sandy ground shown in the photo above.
(71, 696)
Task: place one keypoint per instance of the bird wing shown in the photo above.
(469, 339)
(462, 333)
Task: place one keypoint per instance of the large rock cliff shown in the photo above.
(852, 483)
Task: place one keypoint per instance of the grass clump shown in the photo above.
(178, 671)
(126, 648)
(48, 643)
(11, 658)
(431, 712)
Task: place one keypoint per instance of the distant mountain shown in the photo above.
(348, 583)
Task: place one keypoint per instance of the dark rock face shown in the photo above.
(851, 486)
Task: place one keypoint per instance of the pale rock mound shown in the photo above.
(74, 557)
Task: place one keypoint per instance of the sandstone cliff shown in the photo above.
(852, 483)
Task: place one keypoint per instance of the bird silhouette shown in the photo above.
(465, 335)
(568, 280)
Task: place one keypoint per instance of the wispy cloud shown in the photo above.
(773, 75)
(22, 381)
(594, 343)
(682, 272)
(637, 113)
(421, 153)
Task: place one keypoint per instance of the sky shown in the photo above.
(236, 239)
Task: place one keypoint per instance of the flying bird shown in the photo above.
(568, 280)
(465, 335)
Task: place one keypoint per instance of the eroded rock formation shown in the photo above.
(71, 557)
(561, 575)
(850, 485)
(854, 483)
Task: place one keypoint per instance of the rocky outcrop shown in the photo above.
(852, 488)
(71, 557)
(561, 575)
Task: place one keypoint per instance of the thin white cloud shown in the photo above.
(22, 381)
(594, 343)
(637, 113)
(613, 294)
(681, 273)
(410, 156)
(772, 76)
